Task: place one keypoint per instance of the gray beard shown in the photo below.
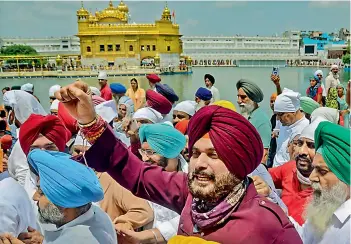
(247, 108)
(51, 214)
(325, 202)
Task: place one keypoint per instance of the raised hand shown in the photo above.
(76, 98)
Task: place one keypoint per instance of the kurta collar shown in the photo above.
(344, 211)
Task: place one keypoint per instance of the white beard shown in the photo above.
(320, 210)
(199, 105)
(247, 108)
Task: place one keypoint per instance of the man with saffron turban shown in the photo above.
(249, 95)
(328, 214)
(216, 199)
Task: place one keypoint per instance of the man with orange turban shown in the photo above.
(216, 199)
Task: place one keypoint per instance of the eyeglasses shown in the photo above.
(147, 152)
(179, 116)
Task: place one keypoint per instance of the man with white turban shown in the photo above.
(183, 111)
(52, 91)
(292, 120)
(147, 115)
(332, 80)
(330, 114)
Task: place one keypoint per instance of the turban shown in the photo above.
(334, 66)
(27, 87)
(167, 92)
(54, 89)
(49, 126)
(97, 99)
(182, 126)
(153, 78)
(308, 105)
(6, 142)
(158, 102)
(102, 75)
(210, 77)
(333, 143)
(69, 122)
(308, 131)
(225, 104)
(23, 103)
(65, 182)
(95, 91)
(318, 72)
(287, 102)
(128, 102)
(107, 110)
(329, 114)
(54, 106)
(234, 138)
(203, 94)
(163, 139)
(118, 88)
(15, 88)
(148, 113)
(187, 107)
(274, 96)
(251, 89)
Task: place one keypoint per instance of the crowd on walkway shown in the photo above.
(125, 165)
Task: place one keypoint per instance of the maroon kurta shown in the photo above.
(256, 220)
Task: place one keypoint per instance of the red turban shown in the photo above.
(235, 140)
(182, 126)
(158, 102)
(49, 126)
(153, 78)
(6, 142)
(69, 122)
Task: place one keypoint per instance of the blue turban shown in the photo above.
(167, 91)
(163, 139)
(203, 94)
(118, 88)
(65, 182)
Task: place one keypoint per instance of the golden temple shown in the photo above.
(107, 38)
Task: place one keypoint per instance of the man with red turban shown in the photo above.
(216, 200)
(158, 102)
(153, 79)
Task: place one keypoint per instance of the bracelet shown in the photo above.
(89, 124)
(153, 232)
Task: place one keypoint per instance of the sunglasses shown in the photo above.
(179, 116)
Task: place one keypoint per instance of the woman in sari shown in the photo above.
(136, 93)
(343, 107)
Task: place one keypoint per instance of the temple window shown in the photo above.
(102, 48)
(142, 48)
(88, 49)
(148, 48)
(118, 47)
(168, 48)
(109, 48)
(153, 47)
(131, 48)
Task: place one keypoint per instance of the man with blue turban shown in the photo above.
(66, 190)
(203, 98)
(118, 91)
(167, 91)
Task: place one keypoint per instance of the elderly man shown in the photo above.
(225, 148)
(118, 91)
(291, 120)
(249, 95)
(332, 80)
(183, 111)
(203, 98)
(209, 82)
(328, 214)
(153, 80)
(104, 88)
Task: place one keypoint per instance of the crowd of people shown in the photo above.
(125, 165)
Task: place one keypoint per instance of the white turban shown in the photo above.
(309, 130)
(148, 113)
(107, 110)
(287, 102)
(128, 102)
(79, 141)
(329, 114)
(95, 91)
(54, 105)
(334, 66)
(23, 104)
(318, 72)
(102, 75)
(27, 87)
(186, 107)
(54, 89)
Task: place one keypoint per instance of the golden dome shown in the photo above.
(166, 11)
(82, 11)
(122, 7)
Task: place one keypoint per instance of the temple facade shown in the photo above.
(107, 38)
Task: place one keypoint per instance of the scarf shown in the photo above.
(302, 179)
(312, 91)
(207, 215)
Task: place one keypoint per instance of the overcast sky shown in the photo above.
(58, 18)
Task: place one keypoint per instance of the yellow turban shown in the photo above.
(225, 104)
(189, 240)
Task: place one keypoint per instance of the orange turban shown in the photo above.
(274, 96)
(182, 126)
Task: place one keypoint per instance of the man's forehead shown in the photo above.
(318, 161)
(203, 144)
(301, 138)
(42, 140)
(241, 91)
(145, 145)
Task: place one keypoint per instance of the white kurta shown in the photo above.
(215, 94)
(17, 164)
(338, 231)
(282, 155)
(16, 212)
(93, 227)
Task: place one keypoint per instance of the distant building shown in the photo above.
(344, 34)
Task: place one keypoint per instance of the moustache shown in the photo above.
(303, 158)
(199, 172)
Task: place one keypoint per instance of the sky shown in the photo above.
(200, 18)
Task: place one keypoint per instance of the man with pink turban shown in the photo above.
(216, 199)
